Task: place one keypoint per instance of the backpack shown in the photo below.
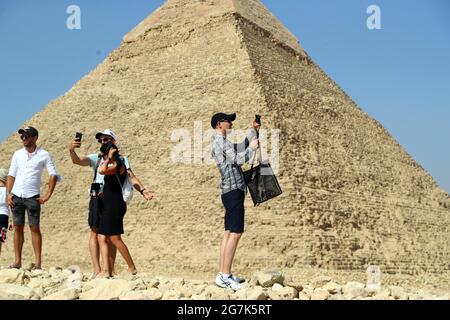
(127, 187)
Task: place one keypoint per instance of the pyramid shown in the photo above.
(352, 195)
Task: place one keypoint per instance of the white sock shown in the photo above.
(226, 275)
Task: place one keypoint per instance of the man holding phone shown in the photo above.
(95, 161)
(229, 158)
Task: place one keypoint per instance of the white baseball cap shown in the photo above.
(106, 132)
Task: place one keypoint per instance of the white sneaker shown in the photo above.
(220, 282)
(237, 279)
(223, 282)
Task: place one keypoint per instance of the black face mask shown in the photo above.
(107, 146)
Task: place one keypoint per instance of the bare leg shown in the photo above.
(112, 256)
(223, 245)
(18, 245)
(123, 249)
(104, 251)
(95, 252)
(36, 240)
(230, 250)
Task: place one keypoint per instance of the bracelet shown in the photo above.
(142, 191)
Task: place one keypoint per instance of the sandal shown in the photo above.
(93, 276)
(34, 267)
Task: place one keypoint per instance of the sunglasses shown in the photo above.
(102, 140)
(25, 137)
(225, 120)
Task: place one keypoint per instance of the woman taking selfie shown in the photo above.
(114, 209)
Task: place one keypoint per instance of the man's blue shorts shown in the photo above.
(233, 202)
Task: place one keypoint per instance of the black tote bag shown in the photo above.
(261, 181)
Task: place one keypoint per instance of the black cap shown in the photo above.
(222, 116)
(32, 132)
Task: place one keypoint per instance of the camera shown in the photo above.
(107, 146)
(258, 119)
(95, 189)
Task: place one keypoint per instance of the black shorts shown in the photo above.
(233, 202)
(4, 221)
(95, 209)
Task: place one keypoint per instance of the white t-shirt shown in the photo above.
(3, 204)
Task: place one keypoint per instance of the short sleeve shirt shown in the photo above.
(99, 177)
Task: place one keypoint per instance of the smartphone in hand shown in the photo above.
(78, 136)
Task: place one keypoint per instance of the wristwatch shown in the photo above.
(142, 191)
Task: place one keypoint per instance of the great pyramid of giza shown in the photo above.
(352, 195)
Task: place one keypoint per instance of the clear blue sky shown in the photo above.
(399, 75)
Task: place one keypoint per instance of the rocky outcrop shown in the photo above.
(145, 286)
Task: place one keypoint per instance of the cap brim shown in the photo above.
(231, 117)
(21, 131)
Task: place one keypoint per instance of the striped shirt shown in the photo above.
(229, 158)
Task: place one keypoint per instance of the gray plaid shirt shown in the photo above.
(229, 158)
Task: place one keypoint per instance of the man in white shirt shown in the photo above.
(23, 188)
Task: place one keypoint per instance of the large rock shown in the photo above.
(273, 295)
(186, 290)
(198, 288)
(37, 273)
(320, 281)
(153, 294)
(268, 278)
(332, 287)
(138, 284)
(285, 293)
(308, 289)
(172, 294)
(134, 295)
(398, 293)
(10, 291)
(12, 276)
(384, 294)
(289, 282)
(106, 290)
(215, 293)
(304, 296)
(355, 289)
(320, 294)
(125, 275)
(337, 296)
(66, 294)
(256, 293)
